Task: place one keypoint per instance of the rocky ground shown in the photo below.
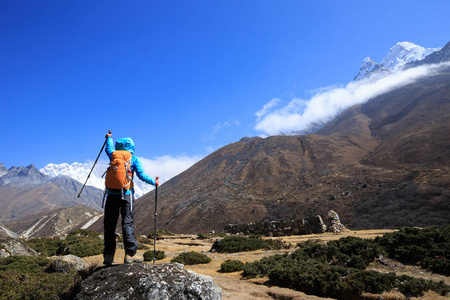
(236, 288)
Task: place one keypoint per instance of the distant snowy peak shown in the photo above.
(65, 169)
(399, 55)
(403, 53)
(77, 171)
(80, 172)
(368, 65)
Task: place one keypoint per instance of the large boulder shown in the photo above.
(145, 281)
(67, 264)
(14, 247)
(335, 223)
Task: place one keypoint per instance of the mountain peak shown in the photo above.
(399, 55)
(368, 65)
(80, 171)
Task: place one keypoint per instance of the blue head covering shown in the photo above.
(125, 144)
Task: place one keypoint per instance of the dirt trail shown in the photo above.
(236, 288)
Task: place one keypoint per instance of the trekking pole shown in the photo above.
(156, 213)
(104, 144)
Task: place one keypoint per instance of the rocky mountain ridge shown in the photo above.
(25, 190)
(398, 57)
(57, 222)
(80, 172)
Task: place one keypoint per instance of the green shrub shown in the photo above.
(80, 243)
(23, 277)
(231, 265)
(439, 265)
(45, 246)
(337, 269)
(149, 255)
(428, 247)
(164, 232)
(84, 246)
(203, 236)
(275, 244)
(353, 252)
(263, 267)
(232, 244)
(142, 246)
(24, 264)
(191, 258)
(83, 233)
(145, 240)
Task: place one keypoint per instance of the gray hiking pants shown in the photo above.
(115, 205)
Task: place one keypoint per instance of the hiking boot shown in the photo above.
(109, 259)
(131, 259)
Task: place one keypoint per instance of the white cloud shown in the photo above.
(219, 126)
(266, 108)
(326, 103)
(168, 166)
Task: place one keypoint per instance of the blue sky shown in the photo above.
(182, 78)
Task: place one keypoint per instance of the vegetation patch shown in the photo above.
(145, 240)
(428, 247)
(231, 265)
(159, 233)
(232, 244)
(23, 277)
(191, 258)
(337, 269)
(80, 243)
(204, 236)
(149, 255)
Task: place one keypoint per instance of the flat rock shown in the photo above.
(67, 263)
(14, 247)
(145, 281)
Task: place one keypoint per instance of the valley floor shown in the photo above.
(236, 288)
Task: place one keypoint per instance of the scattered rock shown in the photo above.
(146, 281)
(279, 228)
(14, 247)
(67, 264)
(335, 222)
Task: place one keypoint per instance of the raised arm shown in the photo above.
(109, 149)
(139, 169)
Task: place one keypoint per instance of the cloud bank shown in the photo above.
(299, 114)
(168, 166)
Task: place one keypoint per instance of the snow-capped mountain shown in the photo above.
(368, 66)
(80, 172)
(399, 55)
(3, 169)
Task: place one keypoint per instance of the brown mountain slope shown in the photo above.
(55, 222)
(414, 131)
(381, 164)
(25, 191)
(273, 178)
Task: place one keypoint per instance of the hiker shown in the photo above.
(119, 187)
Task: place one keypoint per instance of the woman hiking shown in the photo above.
(119, 187)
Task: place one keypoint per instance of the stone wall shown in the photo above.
(294, 227)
